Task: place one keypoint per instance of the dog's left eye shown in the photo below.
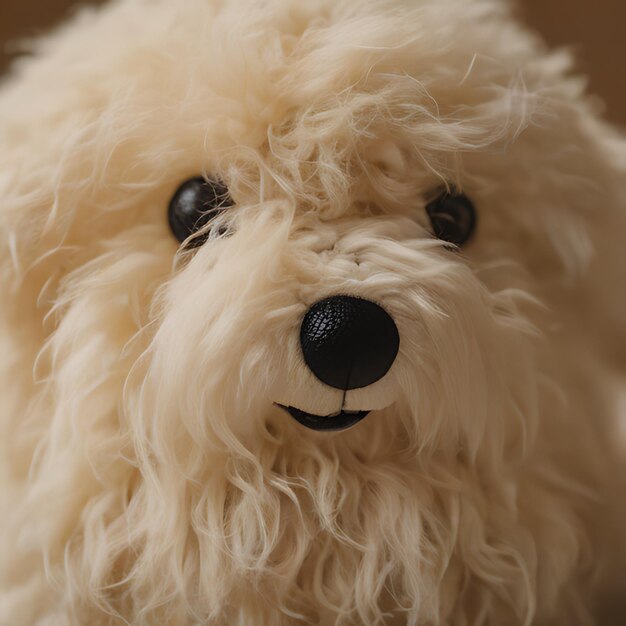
(452, 217)
(195, 203)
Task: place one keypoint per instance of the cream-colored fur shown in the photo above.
(148, 477)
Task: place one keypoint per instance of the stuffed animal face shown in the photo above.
(295, 281)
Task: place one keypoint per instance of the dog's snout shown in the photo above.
(348, 342)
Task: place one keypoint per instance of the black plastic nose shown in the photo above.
(348, 342)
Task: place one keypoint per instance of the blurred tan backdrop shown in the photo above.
(595, 29)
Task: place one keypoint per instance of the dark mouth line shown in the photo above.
(337, 421)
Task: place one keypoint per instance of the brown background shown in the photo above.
(595, 29)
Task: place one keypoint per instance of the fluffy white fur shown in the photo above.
(147, 476)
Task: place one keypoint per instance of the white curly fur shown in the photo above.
(148, 477)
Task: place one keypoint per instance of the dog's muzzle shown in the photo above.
(348, 343)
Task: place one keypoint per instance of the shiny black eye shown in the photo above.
(452, 217)
(195, 203)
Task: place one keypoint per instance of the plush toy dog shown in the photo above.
(311, 314)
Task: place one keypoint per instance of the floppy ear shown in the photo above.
(572, 183)
(599, 306)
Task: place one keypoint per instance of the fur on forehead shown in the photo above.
(333, 114)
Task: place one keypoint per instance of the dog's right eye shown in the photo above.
(195, 203)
